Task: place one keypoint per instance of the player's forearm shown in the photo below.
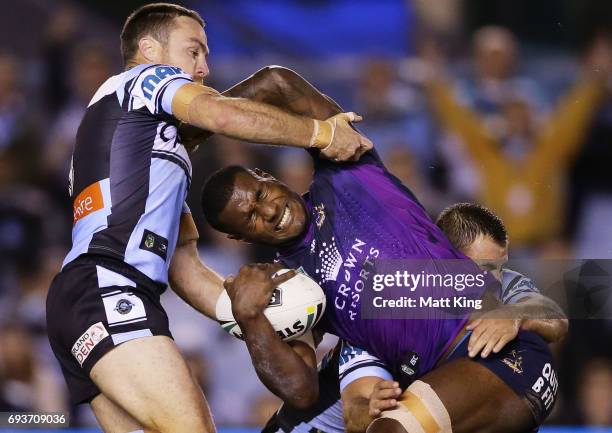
(543, 316)
(356, 415)
(551, 330)
(278, 366)
(249, 120)
(194, 282)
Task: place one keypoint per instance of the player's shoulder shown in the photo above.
(516, 286)
(511, 278)
(152, 86)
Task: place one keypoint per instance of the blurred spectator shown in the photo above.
(90, 67)
(591, 183)
(494, 81)
(402, 164)
(394, 109)
(522, 164)
(19, 137)
(295, 169)
(28, 384)
(495, 56)
(508, 149)
(34, 284)
(60, 37)
(594, 397)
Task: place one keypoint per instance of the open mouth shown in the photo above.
(284, 219)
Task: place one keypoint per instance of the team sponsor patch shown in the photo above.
(150, 81)
(514, 361)
(122, 308)
(154, 243)
(546, 386)
(86, 342)
(88, 201)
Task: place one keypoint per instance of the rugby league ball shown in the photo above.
(295, 307)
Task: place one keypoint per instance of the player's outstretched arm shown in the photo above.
(280, 87)
(249, 120)
(194, 282)
(537, 313)
(544, 317)
(289, 372)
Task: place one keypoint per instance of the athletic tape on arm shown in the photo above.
(420, 410)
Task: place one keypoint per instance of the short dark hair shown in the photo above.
(154, 19)
(216, 193)
(463, 222)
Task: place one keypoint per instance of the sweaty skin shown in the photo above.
(296, 97)
(288, 370)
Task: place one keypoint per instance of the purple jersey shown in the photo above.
(361, 213)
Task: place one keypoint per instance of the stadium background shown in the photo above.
(375, 57)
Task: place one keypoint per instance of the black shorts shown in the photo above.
(526, 365)
(94, 304)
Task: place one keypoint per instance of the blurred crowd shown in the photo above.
(528, 134)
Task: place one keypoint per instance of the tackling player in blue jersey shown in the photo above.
(132, 233)
(362, 212)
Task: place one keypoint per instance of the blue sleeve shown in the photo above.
(155, 87)
(516, 286)
(355, 363)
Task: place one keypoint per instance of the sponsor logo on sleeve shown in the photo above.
(150, 81)
(89, 200)
(86, 342)
(154, 243)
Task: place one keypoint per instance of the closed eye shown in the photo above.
(258, 197)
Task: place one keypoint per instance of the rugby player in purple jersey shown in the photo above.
(354, 213)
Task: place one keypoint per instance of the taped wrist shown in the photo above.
(322, 134)
(420, 410)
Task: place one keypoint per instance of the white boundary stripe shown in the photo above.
(122, 337)
(128, 321)
(110, 293)
(108, 278)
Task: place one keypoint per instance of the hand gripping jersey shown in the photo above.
(346, 363)
(360, 213)
(130, 173)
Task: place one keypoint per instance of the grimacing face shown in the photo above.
(187, 48)
(487, 254)
(263, 210)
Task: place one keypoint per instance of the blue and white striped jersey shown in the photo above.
(515, 286)
(130, 173)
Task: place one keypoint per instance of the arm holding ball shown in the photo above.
(287, 369)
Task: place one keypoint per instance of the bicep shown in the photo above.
(186, 97)
(186, 251)
(188, 232)
(285, 89)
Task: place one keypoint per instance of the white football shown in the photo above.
(295, 308)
